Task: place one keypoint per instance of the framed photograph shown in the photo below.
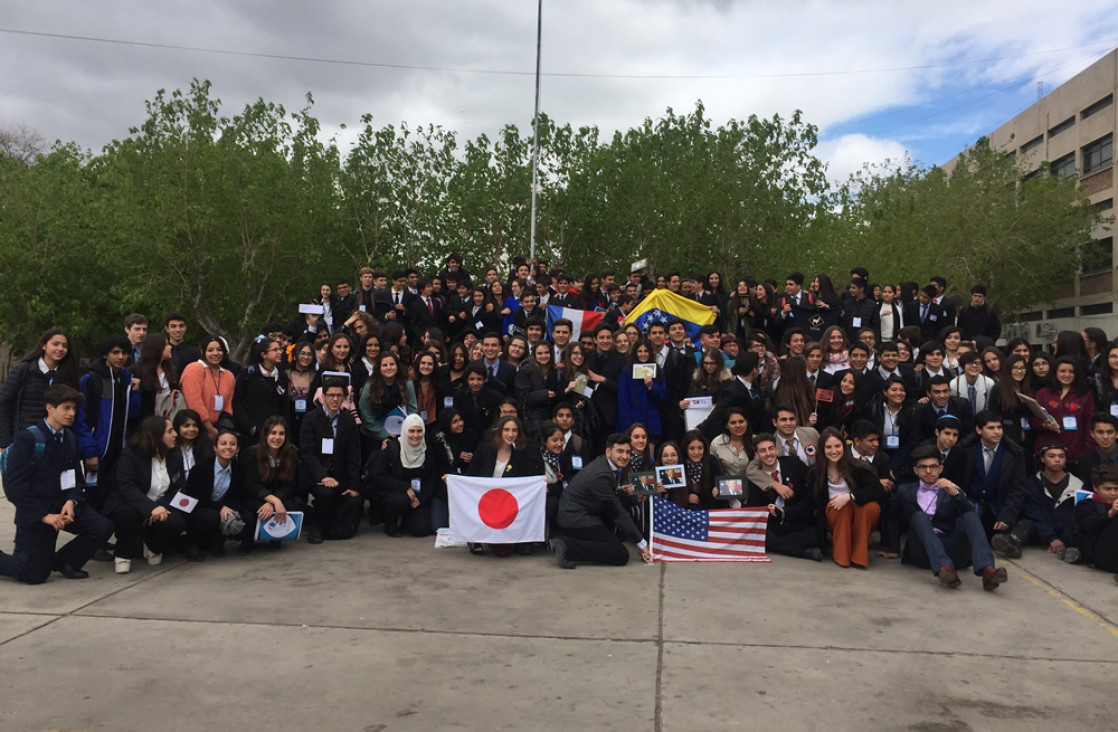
(643, 483)
(731, 487)
(671, 476)
(642, 371)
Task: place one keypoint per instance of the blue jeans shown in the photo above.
(440, 513)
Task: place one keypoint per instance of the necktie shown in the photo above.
(987, 458)
(493, 372)
(941, 411)
(51, 374)
(812, 377)
(791, 447)
(972, 394)
(397, 296)
(776, 475)
(943, 457)
(58, 438)
(430, 307)
(923, 312)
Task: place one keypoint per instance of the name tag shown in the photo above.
(856, 322)
(931, 317)
(67, 479)
(423, 414)
(327, 445)
(362, 308)
(479, 325)
(448, 402)
(1069, 423)
(576, 462)
(1025, 423)
(219, 402)
(892, 441)
(415, 487)
(1114, 409)
(300, 406)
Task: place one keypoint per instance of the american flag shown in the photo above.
(724, 535)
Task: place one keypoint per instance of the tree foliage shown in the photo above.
(234, 220)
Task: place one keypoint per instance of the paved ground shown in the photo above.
(391, 634)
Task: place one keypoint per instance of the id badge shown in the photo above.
(327, 445)
(856, 322)
(300, 406)
(1114, 409)
(423, 415)
(415, 486)
(1070, 423)
(362, 308)
(892, 441)
(576, 462)
(219, 402)
(448, 402)
(67, 479)
(1025, 424)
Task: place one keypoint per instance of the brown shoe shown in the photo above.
(992, 577)
(948, 577)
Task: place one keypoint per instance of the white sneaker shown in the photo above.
(122, 565)
(154, 560)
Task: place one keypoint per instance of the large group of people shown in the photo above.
(880, 409)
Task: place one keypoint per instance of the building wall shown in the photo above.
(1051, 130)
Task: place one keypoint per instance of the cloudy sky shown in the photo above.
(879, 78)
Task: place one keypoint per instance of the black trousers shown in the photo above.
(398, 512)
(595, 544)
(790, 541)
(1103, 550)
(337, 516)
(37, 543)
(132, 534)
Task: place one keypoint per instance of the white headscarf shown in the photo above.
(412, 456)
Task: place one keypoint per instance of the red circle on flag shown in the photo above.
(184, 502)
(497, 508)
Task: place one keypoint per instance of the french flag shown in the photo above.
(580, 319)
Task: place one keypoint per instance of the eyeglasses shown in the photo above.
(925, 468)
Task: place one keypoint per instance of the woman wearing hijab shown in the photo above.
(407, 481)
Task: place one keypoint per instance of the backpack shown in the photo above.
(168, 405)
(36, 454)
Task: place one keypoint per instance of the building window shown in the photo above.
(1098, 255)
(1097, 106)
(1105, 308)
(1032, 316)
(1103, 206)
(1098, 154)
(1067, 124)
(1068, 312)
(1031, 144)
(1063, 166)
(1032, 174)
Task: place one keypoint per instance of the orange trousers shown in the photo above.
(850, 527)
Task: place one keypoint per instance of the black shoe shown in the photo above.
(526, 550)
(1007, 545)
(559, 546)
(70, 573)
(814, 553)
(245, 548)
(219, 550)
(275, 546)
(102, 555)
(194, 554)
(392, 530)
(314, 535)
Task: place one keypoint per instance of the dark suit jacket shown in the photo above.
(133, 477)
(200, 485)
(35, 490)
(936, 320)
(420, 318)
(479, 417)
(733, 393)
(610, 365)
(257, 490)
(1009, 484)
(799, 510)
(344, 465)
(591, 500)
(926, 418)
(948, 509)
(505, 381)
(522, 463)
(865, 311)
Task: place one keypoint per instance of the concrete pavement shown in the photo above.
(391, 634)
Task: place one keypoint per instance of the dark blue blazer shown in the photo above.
(948, 509)
(36, 490)
(133, 477)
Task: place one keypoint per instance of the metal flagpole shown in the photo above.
(536, 131)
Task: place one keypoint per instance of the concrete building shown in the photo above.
(1073, 128)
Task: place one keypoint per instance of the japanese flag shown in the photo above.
(497, 510)
(183, 502)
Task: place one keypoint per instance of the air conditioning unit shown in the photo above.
(1045, 330)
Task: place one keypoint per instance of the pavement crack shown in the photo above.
(659, 710)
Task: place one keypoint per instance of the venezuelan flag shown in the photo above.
(664, 305)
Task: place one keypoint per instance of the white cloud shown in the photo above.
(850, 153)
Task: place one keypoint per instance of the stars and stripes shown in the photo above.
(723, 535)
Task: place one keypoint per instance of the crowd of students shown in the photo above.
(880, 408)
